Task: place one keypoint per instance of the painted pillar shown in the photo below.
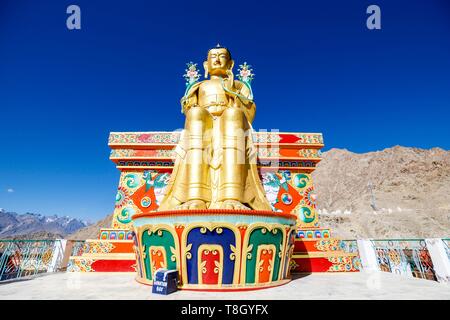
(367, 254)
(440, 259)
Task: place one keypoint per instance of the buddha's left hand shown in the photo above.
(229, 80)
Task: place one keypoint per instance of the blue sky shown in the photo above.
(318, 69)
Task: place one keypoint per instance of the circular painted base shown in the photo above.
(216, 250)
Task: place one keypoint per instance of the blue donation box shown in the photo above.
(165, 281)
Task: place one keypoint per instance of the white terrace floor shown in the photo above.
(378, 285)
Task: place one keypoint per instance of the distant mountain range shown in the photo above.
(14, 225)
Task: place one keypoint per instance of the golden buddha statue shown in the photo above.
(215, 167)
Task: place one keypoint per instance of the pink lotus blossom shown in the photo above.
(245, 73)
(192, 74)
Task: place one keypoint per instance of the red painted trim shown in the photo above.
(181, 251)
(113, 265)
(149, 158)
(168, 146)
(315, 264)
(170, 169)
(242, 231)
(196, 212)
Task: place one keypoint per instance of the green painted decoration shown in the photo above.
(160, 238)
(261, 236)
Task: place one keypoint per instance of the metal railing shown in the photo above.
(23, 258)
(408, 257)
(447, 247)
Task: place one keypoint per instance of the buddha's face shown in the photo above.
(218, 62)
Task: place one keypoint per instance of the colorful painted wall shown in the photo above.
(290, 191)
(285, 162)
(143, 191)
(138, 192)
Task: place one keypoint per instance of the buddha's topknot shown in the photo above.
(218, 46)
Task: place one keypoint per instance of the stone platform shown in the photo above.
(117, 286)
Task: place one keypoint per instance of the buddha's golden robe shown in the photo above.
(215, 157)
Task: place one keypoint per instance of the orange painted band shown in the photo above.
(266, 213)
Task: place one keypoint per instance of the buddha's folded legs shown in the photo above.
(198, 131)
(232, 172)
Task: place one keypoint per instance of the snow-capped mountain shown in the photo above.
(14, 224)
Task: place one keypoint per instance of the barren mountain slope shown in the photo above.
(411, 191)
(92, 231)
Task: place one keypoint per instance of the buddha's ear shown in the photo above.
(231, 65)
(205, 66)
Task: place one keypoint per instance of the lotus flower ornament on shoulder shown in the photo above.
(245, 73)
(192, 75)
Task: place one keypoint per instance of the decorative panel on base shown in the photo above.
(325, 255)
(106, 263)
(216, 249)
(96, 255)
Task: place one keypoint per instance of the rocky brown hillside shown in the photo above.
(410, 187)
(92, 231)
